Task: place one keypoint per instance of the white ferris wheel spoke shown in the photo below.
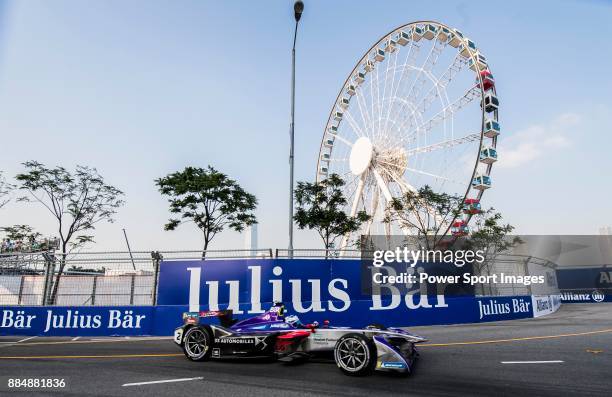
(407, 67)
(469, 96)
(353, 124)
(448, 75)
(373, 210)
(423, 71)
(357, 197)
(444, 144)
(434, 176)
(365, 116)
(343, 140)
(386, 193)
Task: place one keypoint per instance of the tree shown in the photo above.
(20, 232)
(30, 239)
(77, 200)
(24, 236)
(320, 208)
(208, 198)
(5, 190)
(424, 213)
(491, 236)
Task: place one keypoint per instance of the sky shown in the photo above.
(140, 89)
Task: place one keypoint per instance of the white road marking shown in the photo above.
(534, 362)
(162, 381)
(130, 339)
(77, 338)
(25, 339)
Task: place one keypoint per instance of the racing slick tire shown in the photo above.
(355, 354)
(197, 343)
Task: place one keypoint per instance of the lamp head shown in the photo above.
(298, 8)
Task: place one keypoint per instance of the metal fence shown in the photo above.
(130, 278)
(518, 266)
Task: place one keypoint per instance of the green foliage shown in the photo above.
(5, 190)
(424, 213)
(490, 234)
(77, 200)
(21, 232)
(320, 207)
(208, 198)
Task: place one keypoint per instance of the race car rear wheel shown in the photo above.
(196, 344)
(355, 354)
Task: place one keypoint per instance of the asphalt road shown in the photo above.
(458, 360)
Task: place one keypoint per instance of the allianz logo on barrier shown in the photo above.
(491, 307)
(595, 296)
(337, 289)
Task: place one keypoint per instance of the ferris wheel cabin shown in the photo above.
(491, 103)
(481, 182)
(369, 65)
(459, 228)
(338, 116)
(488, 81)
(472, 206)
(491, 129)
(344, 103)
(379, 55)
(480, 62)
(488, 155)
(467, 48)
(323, 170)
(329, 143)
(430, 31)
(456, 38)
(417, 33)
(444, 34)
(390, 46)
(359, 78)
(403, 38)
(350, 90)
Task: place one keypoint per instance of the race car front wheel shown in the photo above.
(196, 344)
(355, 354)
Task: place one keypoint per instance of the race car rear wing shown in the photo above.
(225, 317)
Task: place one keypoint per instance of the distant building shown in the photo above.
(250, 239)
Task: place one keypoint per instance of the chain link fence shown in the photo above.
(130, 278)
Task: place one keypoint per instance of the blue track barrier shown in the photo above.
(316, 290)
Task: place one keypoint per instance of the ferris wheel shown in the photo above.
(419, 109)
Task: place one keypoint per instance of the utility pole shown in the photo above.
(298, 8)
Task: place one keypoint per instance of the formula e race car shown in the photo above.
(274, 335)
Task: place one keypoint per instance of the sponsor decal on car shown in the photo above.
(392, 364)
(280, 325)
(235, 340)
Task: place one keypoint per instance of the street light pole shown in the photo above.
(298, 8)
